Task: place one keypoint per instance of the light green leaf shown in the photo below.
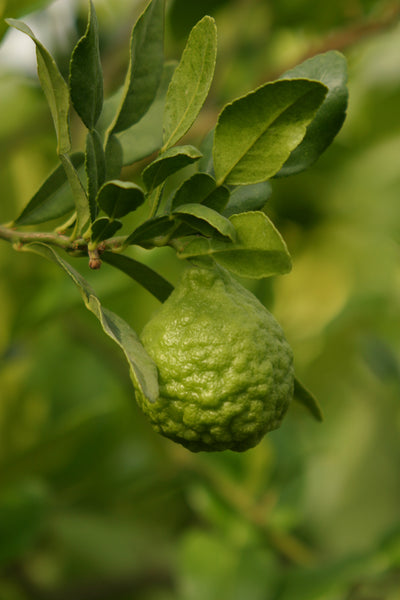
(149, 279)
(145, 137)
(248, 197)
(191, 81)
(206, 220)
(86, 75)
(331, 69)
(145, 67)
(142, 369)
(259, 250)
(255, 134)
(53, 199)
(146, 234)
(95, 169)
(304, 396)
(102, 229)
(78, 192)
(54, 88)
(119, 198)
(168, 163)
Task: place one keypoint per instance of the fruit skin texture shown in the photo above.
(225, 368)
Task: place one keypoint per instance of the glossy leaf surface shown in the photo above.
(256, 133)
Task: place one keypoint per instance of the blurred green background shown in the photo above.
(93, 504)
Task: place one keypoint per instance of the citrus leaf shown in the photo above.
(331, 69)
(78, 192)
(259, 250)
(95, 168)
(142, 369)
(149, 279)
(256, 133)
(191, 81)
(53, 199)
(102, 229)
(54, 87)
(145, 137)
(86, 75)
(145, 67)
(168, 163)
(114, 158)
(248, 197)
(195, 189)
(206, 220)
(304, 396)
(119, 198)
(150, 229)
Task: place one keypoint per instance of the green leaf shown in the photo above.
(102, 229)
(78, 192)
(86, 75)
(145, 137)
(53, 199)
(145, 234)
(195, 189)
(95, 168)
(145, 67)
(168, 163)
(331, 69)
(54, 88)
(191, 81)
(114, 158)
(255, 134)
(119, 198)
(149, 279)
(142, 369)
(304, 396)
(206, 220)
(259, 250)
(248, 197)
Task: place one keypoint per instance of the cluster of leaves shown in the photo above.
(279, 129)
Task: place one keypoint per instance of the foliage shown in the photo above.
(92, 499)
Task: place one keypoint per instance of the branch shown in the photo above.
(77, 247)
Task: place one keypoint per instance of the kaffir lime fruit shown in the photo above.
(225, 367)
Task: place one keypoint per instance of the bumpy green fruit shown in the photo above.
(225, 367)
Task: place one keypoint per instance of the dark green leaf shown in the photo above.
(259, 250)
(54, 88)
(149, 279)
(145, 234)
(195, 189)
(145, 67)
(142, 369)
(331, 69)
(119, 198)
(255, 134)
(168, 163)
(53, 199)
(103, 228)
(302, 395)
(95, 169)
(145, 137)
(191, 81)
(114, 158)
(206, 220)
(78, 192)
(248, 197)
(86, 75)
